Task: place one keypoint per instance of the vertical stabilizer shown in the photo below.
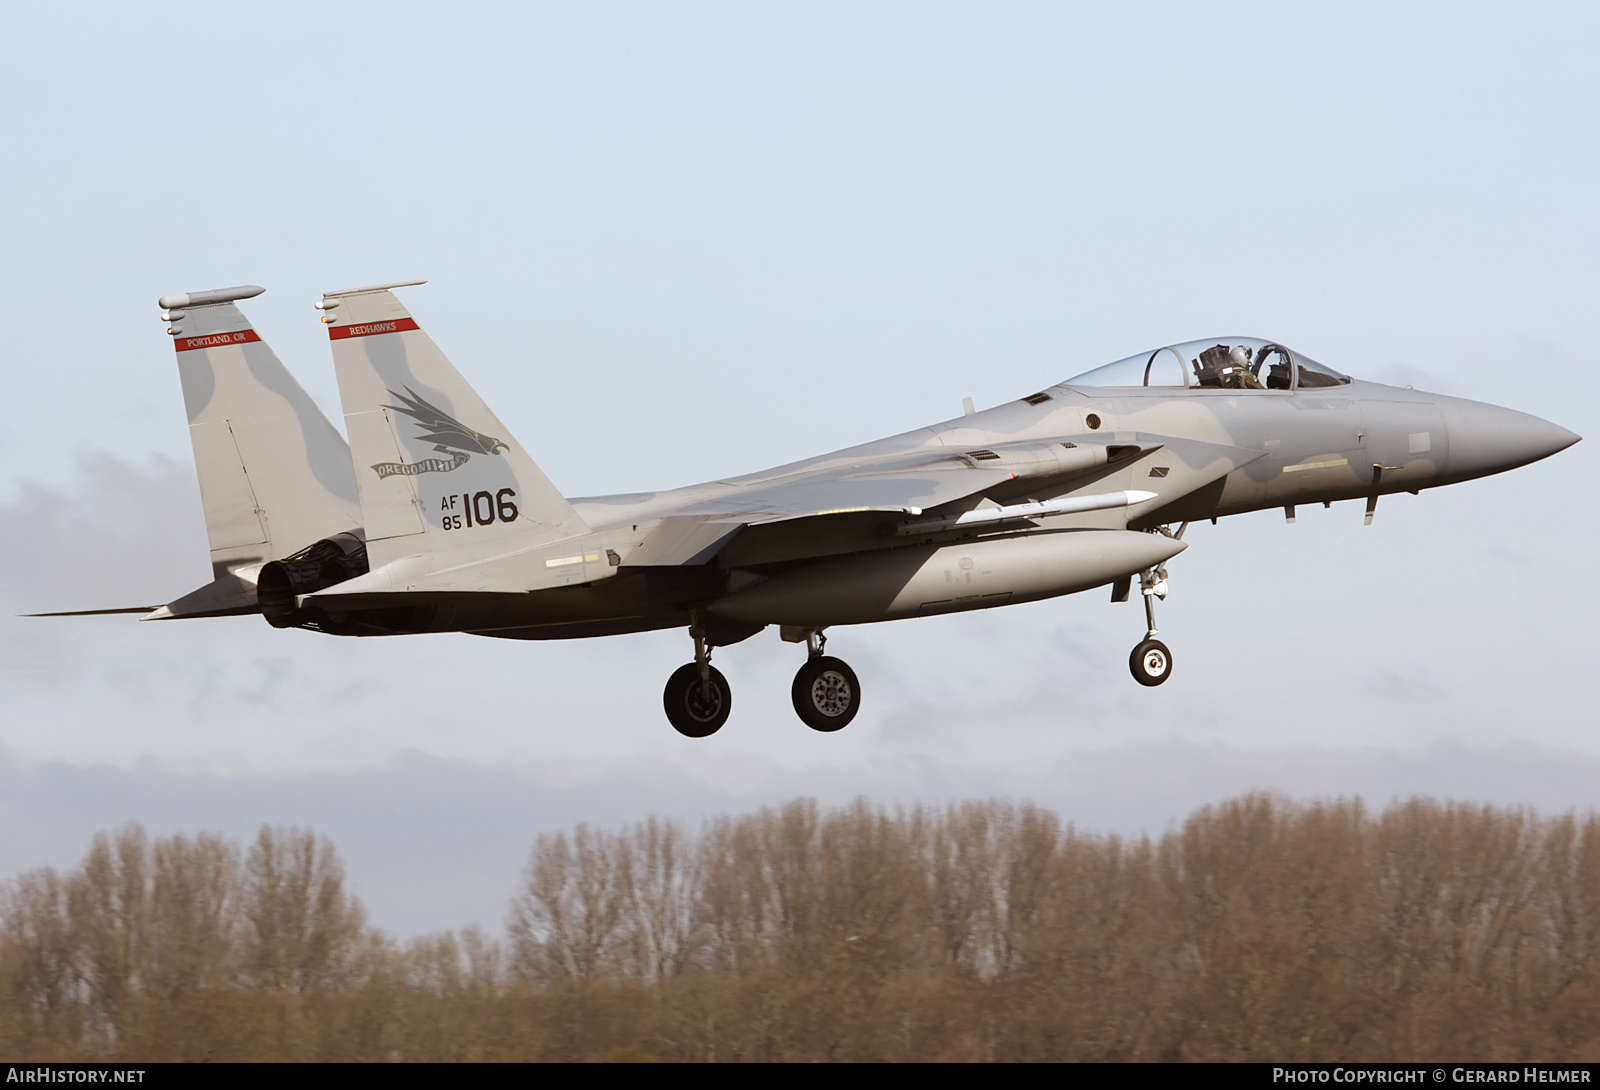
(274, 473)
(438, 473)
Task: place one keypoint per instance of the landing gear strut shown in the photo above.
(826, 692)
(1151, 662)
(697, 698)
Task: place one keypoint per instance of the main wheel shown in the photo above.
(695, 709)
(1151, 663)
(826, 693)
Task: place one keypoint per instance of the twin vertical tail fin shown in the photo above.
(290, 507)
(437, 472)
(275, 475)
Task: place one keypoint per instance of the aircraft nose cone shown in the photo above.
(1487, 439)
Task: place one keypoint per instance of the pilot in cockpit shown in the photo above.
(1227, 368)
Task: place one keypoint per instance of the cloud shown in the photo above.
(1389, 685)
(122, 534)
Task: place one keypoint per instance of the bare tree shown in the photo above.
(1261, 929)
(194, 916)
(39, 968)
(302, 932)
(568, 919)
(735, 898)
(108, 900)
(787, 840)
(1023, 874)
(664, 900)
(958, 861)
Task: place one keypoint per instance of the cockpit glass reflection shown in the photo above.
(1311, 373)
(1230, 363)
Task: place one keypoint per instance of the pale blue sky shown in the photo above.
(674, 241)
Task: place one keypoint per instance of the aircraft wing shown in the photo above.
(908, 483)
(926, 480)
(696, 532)
(893, 489)
(1163, 469)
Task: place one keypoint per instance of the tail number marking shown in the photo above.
(469, 509)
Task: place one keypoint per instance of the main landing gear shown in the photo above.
(826, 692)
(697, 696)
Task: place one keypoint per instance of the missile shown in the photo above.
(1066, 505)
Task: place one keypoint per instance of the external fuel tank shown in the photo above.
(918, 580)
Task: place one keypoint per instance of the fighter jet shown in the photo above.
(434, 518)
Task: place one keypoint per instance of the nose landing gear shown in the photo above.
(697, 698)
(1151, 662)
(826, 692)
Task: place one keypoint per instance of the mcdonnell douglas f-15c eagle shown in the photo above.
(435, 519)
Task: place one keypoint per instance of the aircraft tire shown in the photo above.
(826, 693)
(1150, 663)
(692, 712)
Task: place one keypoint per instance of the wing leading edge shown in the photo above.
(1147, 473)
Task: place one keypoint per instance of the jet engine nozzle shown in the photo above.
(329, 562)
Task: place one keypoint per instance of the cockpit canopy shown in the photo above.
(1230, 363)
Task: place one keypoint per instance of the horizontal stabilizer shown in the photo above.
(94, 612)
(230, 594)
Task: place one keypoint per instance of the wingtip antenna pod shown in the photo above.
(206, 298)
(372, 288)
(331, 300)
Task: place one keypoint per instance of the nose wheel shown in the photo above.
(826, 692)
(697, 698)
(1151, 661)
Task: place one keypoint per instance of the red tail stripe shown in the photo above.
(216, 340)
(370, 329)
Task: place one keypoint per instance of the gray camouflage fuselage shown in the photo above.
(450, 525)
(1206, 453)
(429, 516)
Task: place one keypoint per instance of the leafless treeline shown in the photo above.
(1260, 930)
